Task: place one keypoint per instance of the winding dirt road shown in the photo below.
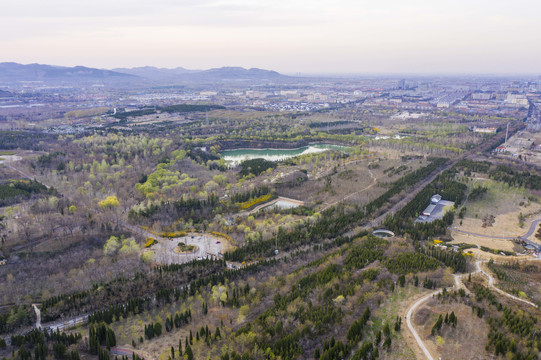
(409, 315)
(410, 325)
(458, 285)
(491, 284)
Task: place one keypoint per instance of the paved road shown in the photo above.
(66, 324)
(413, 191)
(524, 237)
(530, 232)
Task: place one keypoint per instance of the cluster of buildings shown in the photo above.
(482, 95)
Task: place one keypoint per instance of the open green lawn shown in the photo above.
(500, 198)
(394, 305)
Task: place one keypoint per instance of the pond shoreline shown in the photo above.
(228, 145)
(235, 156)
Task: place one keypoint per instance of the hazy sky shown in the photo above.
(357, 36)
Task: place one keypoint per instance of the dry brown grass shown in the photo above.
(160, 347)
(404, 345)
(482, 255)
(505, 204)
(505, 225)
(500, 244)
(466, 341)
(351, 182)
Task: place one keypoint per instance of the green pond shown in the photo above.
(238, 155)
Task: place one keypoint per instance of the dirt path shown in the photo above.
(24, 174)
(129, 351)
(491, 284)
(38, 316)
(411, 311)
(458, 285)
(409, 315)
(372, 184)
(483, 235)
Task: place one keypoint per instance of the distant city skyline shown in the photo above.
(295, 36)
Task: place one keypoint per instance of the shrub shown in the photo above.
(150, 242)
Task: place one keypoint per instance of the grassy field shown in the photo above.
(499, 199)
(132, 328)
(522, 279)
(397, 304)
(466, 341)
(504, 204)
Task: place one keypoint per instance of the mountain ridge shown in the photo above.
(11, 71)
(14, 72)
(213, 74)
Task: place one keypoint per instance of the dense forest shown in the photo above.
(448, 188)
(306, 282)
(16, 190)
(256, 166)
(512, 177)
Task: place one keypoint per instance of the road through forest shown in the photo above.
(457, 286)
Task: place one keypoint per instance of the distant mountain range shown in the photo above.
(14, 72)
(4, 94)
(154, 73)
(216, 74)
(10, 71)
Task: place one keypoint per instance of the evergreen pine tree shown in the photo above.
(189, 352)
